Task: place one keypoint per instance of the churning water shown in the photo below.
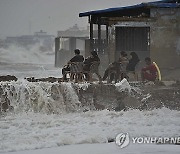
(51, 115)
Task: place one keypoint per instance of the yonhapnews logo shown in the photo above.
(123, 140)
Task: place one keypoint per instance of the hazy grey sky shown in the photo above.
(20, 17)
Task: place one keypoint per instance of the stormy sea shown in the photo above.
(53, 117)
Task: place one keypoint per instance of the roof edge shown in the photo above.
(160, 4)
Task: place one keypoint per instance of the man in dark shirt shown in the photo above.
(89, 60)
(149, 72)
(132, 62)
(113, 71)
(88, 63)
(76, 58)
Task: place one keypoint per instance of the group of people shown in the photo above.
(117, 70)
(86, 64)
(120, 68)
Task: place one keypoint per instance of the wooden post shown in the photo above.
(72, 45)
(99, 35)
(107, 35)
(87, 48)
(91, 34)
(57, 43)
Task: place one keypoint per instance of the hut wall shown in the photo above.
(165, 38)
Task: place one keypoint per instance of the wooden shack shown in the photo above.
(150, 29)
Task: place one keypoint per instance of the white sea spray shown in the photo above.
(29, 130)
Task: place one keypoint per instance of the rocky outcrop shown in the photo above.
(49, 79)
(163, 96)
(8, 78)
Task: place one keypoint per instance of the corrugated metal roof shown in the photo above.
(158, 4)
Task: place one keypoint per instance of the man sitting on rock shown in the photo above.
(149, 72)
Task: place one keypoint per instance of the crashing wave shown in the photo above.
(46, 97)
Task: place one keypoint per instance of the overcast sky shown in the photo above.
(21, 17)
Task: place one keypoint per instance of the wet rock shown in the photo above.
(154, 104)
(8, 78)
(100, 96)
(30, 79)
(5, 104)
(49, 79)
(131, 102)
(165, 96)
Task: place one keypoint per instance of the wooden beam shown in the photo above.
(114, 20)
(91, 36)
(99, 35)
(57, 45)
(124, 19)
(72, 45)
(107, 34)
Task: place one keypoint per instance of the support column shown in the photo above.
(99, 36)
(91, 36)
(57, 43)
(72, 45)
(107, 35)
